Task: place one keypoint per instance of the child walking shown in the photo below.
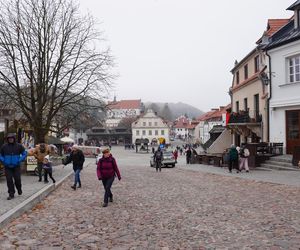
(47, 166)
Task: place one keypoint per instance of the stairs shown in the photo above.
(282, 162)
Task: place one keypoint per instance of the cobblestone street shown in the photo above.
(178, 208)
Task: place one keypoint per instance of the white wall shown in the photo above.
(285, 96)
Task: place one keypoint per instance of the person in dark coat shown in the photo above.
(11, 155)
(188, 155)
(233, 159)
(158, 157)
(107, 169)
(77, 157)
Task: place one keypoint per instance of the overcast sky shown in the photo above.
(181, 50)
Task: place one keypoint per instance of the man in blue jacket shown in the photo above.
(11, 155)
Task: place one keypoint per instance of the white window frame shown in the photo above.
(162, 132)
(144, 132)
(293, 69)
(149, 132)
(137, 132)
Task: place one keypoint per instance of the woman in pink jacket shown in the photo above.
(107, 169)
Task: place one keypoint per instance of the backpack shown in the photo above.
(158, 155)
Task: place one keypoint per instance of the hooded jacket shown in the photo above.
(107, 168)
(12, 154)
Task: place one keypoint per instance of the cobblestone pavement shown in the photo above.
(30, 186)
(178, 208)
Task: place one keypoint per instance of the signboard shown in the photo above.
(31, 163)
(2, 126)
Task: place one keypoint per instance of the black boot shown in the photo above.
(74, 187)
(79, 184)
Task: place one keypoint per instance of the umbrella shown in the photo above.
(67, 139)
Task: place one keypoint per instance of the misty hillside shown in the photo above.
(171, 111)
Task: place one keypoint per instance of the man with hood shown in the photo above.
(11, 155)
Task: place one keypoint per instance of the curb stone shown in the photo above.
(30, 202)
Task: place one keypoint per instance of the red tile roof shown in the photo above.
(215, 113)
(273, 26)
(125, 104)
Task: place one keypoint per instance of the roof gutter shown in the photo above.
(270, 96)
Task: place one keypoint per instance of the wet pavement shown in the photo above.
(184, 207)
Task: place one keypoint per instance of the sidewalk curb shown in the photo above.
(30, 202)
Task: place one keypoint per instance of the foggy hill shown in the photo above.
(173, 110)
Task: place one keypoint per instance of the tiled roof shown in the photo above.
(275, 24)
(285, 35)
(125, 104)
(217, 113)
(294, 5)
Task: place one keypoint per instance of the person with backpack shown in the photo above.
(244, 154)
(158, 156)
(233, 159)
(107, 169)
(47, 166)
(188, 155)
(11, 156)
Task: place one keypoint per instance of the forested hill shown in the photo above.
(170, 111)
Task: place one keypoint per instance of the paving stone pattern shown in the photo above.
(178, 208)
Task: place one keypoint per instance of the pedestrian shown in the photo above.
(47, 166)
(158, 157)
(77, 157)
(233, 159)
(153, 150)
(39, 152)
(244, 154)
(107, 169)
(188, 154)
(175, 153)
(11, 155)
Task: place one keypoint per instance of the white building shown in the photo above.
(117, 110)
(150, 126)
(181, 127)
(284, 106)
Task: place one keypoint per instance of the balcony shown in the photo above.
(245, 117)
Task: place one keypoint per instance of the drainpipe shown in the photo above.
(270, 96)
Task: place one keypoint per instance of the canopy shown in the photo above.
(67, 139)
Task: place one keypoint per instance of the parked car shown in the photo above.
(168, 159)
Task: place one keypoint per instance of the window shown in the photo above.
(150, 132)
(144, 124)
(150, 124)
(245, 104)
(137, 132)
(144, 132)
(237, 75)
(294, 69)
(256, 106)
(156, 132)
(237, 106)
(256, 64)
(246, 71)
(155, 123)
(162, 132)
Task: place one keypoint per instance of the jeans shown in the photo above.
(107, 183)
(77, 176)
(13, 178)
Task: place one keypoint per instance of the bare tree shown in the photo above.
(49, 59)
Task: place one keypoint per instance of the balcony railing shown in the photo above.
(245, 117)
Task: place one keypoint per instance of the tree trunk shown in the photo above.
(39, 135)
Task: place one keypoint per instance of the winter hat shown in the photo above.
(75, 146)
(11, 135)
(105, 150)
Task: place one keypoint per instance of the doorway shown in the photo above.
(292, 130)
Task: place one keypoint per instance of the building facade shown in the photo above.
(150, 126)
(284, 106)
(117, 110)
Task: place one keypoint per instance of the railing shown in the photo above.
(245, 117)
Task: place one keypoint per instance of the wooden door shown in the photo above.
(292, 130)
